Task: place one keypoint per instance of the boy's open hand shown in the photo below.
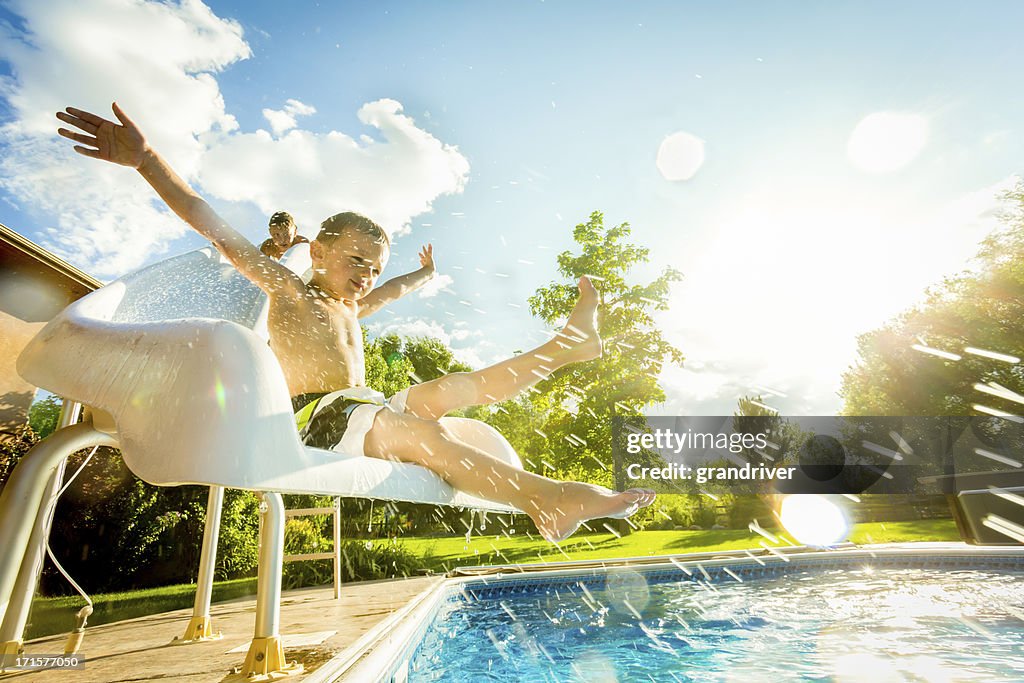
(427, 258)
(121, 144)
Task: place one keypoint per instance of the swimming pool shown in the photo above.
(939, 613)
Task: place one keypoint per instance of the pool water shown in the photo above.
(851, 624)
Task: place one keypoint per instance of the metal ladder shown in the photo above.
(335, 511)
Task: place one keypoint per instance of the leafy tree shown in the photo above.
(386, 371)
(238, 541)
(13, 449)
(981, 308)
(751, 418)
(579, 401)
(429, 357)
(44, 415)
(109, 518)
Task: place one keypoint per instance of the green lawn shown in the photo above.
(56, 615)
(445, 553)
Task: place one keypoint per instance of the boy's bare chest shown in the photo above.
(314, 324)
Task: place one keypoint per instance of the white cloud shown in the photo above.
(461, 334)
(712, 389)
(435, 286)
(159, 60)
(315, 176)
(417, 327)
(283, 120)
(473, 356)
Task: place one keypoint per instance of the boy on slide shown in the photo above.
(315, 334)
(283, 235)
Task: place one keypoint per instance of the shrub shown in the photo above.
(14, 449)
(360, 560)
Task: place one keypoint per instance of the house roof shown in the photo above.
(22, 249)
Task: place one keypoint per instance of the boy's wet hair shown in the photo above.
(332, 228)
(282, 218)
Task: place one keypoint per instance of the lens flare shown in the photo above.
(630, 592)
(680, 156)
(220, 393)
(814, 520)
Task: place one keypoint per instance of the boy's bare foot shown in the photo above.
(580, 336)
(559, 519)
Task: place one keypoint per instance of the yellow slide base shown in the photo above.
(199, 630)
(8, 651)
(266, 662)
(74, 642)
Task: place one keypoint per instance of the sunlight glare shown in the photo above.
(814, 520)
(887, 141)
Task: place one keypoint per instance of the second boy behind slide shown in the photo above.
(315, 334)
(283, 235)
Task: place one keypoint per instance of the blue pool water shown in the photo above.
(855, 623)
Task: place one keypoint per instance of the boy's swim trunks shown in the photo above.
(339, 421)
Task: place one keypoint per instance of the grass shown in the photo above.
(56, 615)
(444, 553)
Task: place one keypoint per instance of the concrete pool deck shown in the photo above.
(140, 650)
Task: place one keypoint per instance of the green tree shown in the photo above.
(786, 437)
(43, 415)
(238, 541)
(13, 449)
(394, 363)
(429, 357)
(981, 308)
(751, 417)
(109, 518)
(579, 401)
(387, 370)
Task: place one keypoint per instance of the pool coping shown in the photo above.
(386, 653)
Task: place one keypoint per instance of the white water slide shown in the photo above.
(173, 364)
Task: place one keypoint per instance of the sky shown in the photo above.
(810, 169)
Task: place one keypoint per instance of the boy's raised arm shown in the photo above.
(397, 287)
(124, 144)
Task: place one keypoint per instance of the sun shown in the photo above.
(886, 141)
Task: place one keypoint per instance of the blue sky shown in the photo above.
(844, 156)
